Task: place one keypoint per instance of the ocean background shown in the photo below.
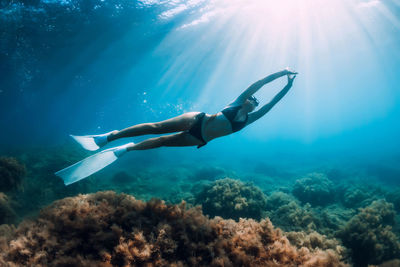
(89, 67)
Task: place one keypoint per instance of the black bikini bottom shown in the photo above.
(196, 129)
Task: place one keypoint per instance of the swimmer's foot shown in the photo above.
(93, 142)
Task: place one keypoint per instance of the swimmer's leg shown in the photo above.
(180, 123)
(177, 124)
(178, 139)
(98, 161)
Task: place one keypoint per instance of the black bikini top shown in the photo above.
(230, 113)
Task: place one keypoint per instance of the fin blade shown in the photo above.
(86, 141)
(87, 166)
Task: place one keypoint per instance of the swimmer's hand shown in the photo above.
(291, 78)
(288, 71)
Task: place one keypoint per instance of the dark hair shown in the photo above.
(252, 98)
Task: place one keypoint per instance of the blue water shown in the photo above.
(88, 67)
(146, 64)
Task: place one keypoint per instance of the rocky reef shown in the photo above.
(11, 174)
(394, 197)
(314, 240)
(369, 234)
(109, 229)
(315, 214)
(232, 199)
(293, 217)
(315, 189)
(7, 214)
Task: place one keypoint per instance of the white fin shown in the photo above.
(92, 164)
(91, 142)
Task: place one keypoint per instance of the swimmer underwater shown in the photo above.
(194, 129)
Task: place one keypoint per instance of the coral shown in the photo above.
(106, 229)
(232, 199)
(315, 189)
(369, 234)
(11, 174)
(7, 214)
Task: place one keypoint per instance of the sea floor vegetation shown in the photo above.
(208, 215)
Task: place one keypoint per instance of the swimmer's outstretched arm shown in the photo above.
(257, 86)
(267, 107)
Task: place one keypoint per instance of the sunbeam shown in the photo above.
(234, 43)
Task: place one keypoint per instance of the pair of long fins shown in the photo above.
(92, 164)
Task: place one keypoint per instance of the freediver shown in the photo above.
(194, 129)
